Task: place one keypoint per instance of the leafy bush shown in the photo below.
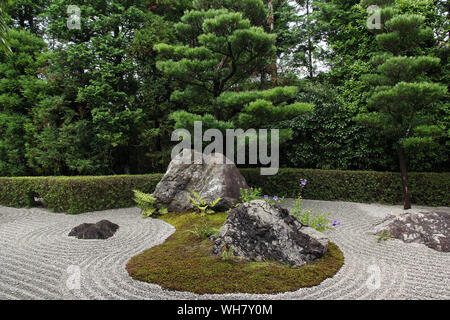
(430, 189)
(248, 195)
(147, 202)
(320, 222)
(85, 194)
(328, 138)
(75, 195)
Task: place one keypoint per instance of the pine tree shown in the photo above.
(404, 98)
(224, 46)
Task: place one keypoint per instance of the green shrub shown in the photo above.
(248, 195)
(75, 194)
(84, 194)
(431, 189)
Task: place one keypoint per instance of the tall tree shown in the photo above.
(3, 26)
(28, 14)
(171, 10)
(21, 88)
(349, 46)
(153, 146)
(404, 97)
(307, 49)
(221, 50)
(94, 82)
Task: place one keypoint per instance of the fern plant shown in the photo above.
(201, 205)
(204, 231)
(147, 202)
(248, 195)
(227, 254)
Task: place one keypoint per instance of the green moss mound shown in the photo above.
(185, 263)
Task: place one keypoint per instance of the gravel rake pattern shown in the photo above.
(36, 252)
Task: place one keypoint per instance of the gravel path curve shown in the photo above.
(39, 261)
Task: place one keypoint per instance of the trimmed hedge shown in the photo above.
(84, 194)
(75, 194)
(430, 189)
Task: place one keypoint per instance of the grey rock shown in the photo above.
(429, 228)
(100, 230)
(258, 231)
(211, 180)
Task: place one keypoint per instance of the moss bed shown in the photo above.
(185, 263)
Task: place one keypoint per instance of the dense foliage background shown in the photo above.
(105, 98)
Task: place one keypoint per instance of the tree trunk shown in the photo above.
(404, 172)
(273, 68)
(271, 18)
(310, 48)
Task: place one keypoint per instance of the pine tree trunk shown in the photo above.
(404, 172)
(310, 48)
(273, 68)
(271, 18)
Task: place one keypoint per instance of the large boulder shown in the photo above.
(429, 228)
(211, 180)
(258, 231)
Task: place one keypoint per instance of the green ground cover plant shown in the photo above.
(185, 263)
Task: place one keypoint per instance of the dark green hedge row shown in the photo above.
(84, 194)
(75, 194)
(431, 189)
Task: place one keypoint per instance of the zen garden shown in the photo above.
(224, 149)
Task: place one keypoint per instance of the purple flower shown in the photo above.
(266, 197)
(304, 182)
(276, 198)
(336, 223)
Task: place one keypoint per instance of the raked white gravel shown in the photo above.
(39, 261)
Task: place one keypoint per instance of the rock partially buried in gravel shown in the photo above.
(211, 180)
(258, 231)
(429, 228)
(100, 230)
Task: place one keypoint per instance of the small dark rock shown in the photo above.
(100, 230)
